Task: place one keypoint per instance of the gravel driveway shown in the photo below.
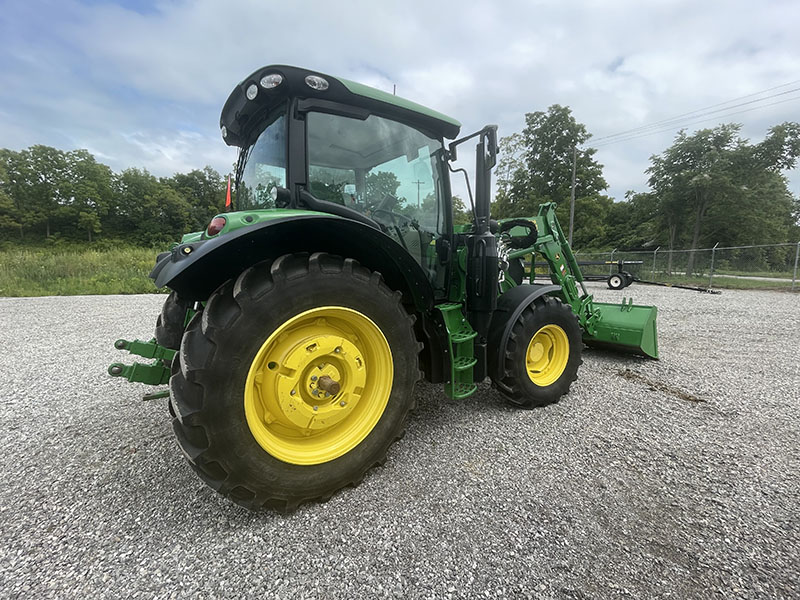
(677, 478)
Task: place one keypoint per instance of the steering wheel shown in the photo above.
(383, 209)
(387, 201)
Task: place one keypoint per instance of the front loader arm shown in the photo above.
(627, 327)
(552, 244)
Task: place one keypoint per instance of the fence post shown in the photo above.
(711, 277)
(611, 267)
(796, 256)
(653, 273)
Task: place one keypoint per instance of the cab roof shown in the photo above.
(241, 115)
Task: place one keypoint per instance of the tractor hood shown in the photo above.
(269, 86)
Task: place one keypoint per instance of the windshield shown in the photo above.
(388, 171)
(264, 166)
(384, 169)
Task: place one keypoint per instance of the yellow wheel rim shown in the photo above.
(547, 355)
(318, 385)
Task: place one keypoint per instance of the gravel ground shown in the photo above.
(677, 478)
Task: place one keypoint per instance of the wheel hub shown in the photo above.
(318, 385)
(547, 355)
(310, 407)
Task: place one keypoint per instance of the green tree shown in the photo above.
(48, 183)
(461, 214)
(380, 185)
(9, 217)
(713, 185)
(36, 182)
(591, 220)
(535, 166)
(90, 192)
(204, 190)
(632, 223)
(149, 210)
(89, 222)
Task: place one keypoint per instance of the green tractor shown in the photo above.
(300, 322)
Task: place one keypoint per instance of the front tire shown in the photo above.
(543, 353)
(294, 381)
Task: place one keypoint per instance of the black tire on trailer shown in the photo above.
(627, 277)
(258, 415)
(616, 281)
(170, 324)
(543, 353)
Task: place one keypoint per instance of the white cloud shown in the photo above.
(145, 88)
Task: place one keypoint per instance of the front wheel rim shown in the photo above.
(318, 385)
(547, 355)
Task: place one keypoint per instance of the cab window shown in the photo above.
(264, 166)
(386, 170)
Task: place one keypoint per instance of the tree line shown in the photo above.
(46, 193)
(709, 186)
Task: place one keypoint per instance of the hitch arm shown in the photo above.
(156, 373)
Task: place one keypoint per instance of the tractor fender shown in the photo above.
(509, 307)
(195, 269)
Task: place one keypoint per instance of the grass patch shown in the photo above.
(64, 270)
(71, 271)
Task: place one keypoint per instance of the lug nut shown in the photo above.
(342, 403)
(292, 393)
(316, 408)
(313, 378)
(337, 349)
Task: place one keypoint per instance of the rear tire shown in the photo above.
(543, 353)
(248, 418)
(171, 322)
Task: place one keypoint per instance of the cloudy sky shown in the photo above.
(141, 83)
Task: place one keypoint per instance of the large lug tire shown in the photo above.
(171, 322)
(543, 353)
(294, 381)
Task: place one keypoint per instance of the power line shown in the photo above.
(698, 112)
(641, 134)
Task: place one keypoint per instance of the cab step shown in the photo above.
(462, 356)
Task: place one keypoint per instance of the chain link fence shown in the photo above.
(773, 266)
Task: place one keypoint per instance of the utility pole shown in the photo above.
(572, 194)
(418, 183)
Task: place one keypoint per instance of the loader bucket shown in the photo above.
(627, 327)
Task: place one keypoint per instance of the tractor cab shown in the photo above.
(313, 142)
